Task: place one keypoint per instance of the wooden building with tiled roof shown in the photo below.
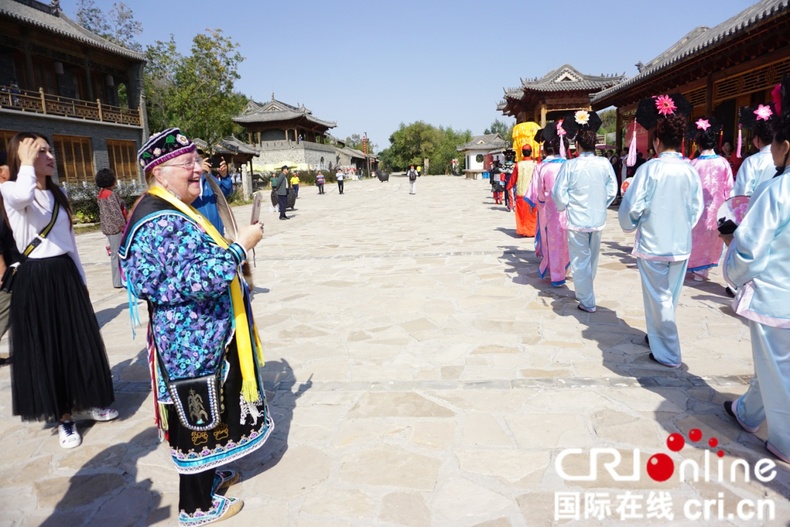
(551, 96)
(279, 121)
(63, 81)
(718, 69)
(292, 135)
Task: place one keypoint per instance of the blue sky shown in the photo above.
(369, 66)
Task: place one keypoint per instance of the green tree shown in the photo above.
(196, 92)
(119, 26)
(504, 130)
(92, 18)
(159, 82)
(123, 27)
(412, 144)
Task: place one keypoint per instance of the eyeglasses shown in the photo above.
(187, 165)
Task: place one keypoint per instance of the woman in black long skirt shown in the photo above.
(60, 370)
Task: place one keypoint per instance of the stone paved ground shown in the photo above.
(421, 374)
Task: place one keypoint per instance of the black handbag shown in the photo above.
(8, 277)
(197, 400)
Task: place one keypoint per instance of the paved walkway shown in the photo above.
(421, 374)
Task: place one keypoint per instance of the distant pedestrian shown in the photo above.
(295, 183)
(412, 175)
(339, 177)
(280, 186)
(319, 181)
(112, 217)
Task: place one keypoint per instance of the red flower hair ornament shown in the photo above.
(665, 105)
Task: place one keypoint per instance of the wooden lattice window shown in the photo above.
(74, 158)
(697, 97)
(759, 79)
(123, 159)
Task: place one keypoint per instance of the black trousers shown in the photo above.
(282, 201)
(321, 188)
(194, 491)
(340, 186)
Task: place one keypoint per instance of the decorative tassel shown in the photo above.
(721, 138)
(683, 147)
(562, 146)
(740, 141)
(631, 159)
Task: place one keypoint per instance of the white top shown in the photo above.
(29, 210)
(756, 169)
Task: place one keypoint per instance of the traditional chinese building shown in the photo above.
(478, 153)
(550, 97)
(81, 91)
(286, 134)
(718, 70)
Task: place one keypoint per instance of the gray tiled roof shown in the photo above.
(568, 78)
(228, 145)
(51, 18)
(274, 111)
(484, 142)
(702, 38)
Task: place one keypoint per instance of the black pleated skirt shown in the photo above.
(60, 363)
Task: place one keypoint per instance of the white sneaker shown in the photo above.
(68, 435)
(97, 414)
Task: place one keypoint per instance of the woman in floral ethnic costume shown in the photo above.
(200, 321)
(716, 177)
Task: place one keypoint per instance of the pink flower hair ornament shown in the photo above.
(703, 124)
(763, 112)
(665, 105)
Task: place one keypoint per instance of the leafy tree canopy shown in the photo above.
(504, 130)
(413, 143)
(118, 26)
(355, 141)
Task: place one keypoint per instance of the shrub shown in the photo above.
(83, 198)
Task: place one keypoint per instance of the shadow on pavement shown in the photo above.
(279, 376)
(105, 490)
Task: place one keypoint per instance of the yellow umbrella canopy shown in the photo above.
(524, 134)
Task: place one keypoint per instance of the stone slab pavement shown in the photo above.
(421, 374)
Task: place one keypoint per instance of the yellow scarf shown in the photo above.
(245, 332)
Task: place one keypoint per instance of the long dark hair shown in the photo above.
(14, 165)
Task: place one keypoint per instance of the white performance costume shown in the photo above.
(662, 205)
(756, 169)
(584, 188)
(758, 262)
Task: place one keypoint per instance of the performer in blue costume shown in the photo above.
(206, 202)
(584, 188)
(759, 167)
(662, 205)
(758, 262)
(201, 324)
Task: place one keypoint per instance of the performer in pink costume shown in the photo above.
(716, 179)
(553, 234)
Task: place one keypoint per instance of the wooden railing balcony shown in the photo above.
(14, 98)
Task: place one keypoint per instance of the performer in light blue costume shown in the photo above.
(662, 204)
(759, 167)
(758, 262)
(584, 188)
